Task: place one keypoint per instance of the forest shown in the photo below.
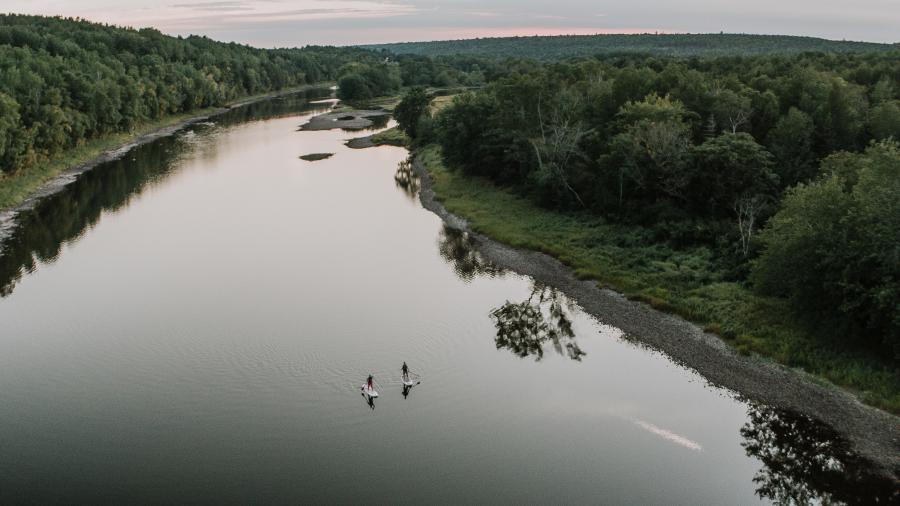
(780, 173)
(562, 47)
(65, 81)
(366, 80)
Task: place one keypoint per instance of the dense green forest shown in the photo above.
(561, 47)
(63, 81)
(361, 81)
(776, 172)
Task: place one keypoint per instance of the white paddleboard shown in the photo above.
(369, 391)
(409, 382)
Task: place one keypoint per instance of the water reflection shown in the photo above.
(807, 462)
(370, 401)
(407, 179)
(525, 327)
(41, 232)
(280, 107)
(457, 248)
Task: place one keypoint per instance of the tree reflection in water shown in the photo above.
(407, 179)
(41, 232)
(525, 327)
(807, 462)
(458, 249)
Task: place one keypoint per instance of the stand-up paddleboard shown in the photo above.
(410, 381)
(368, 391)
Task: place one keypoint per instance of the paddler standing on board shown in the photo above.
(370, 383)
(405, 371)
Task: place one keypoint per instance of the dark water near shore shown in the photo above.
(192, 323)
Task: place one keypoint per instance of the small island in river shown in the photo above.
(315, 157)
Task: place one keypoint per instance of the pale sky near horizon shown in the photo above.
(288, 23)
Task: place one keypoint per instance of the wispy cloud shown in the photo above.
(194, 17)
(484, 14)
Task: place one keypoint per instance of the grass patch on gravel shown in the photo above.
(684, 282)
(392, 136)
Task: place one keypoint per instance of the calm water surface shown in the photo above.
(192, 324)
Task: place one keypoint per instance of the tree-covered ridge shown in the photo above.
(560, 47)
(63, 81)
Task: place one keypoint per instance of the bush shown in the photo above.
(361, 81)
(353, 87)
(411, 109)
(833, 247)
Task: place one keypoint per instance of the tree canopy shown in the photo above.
(703, 152)
(63, 81)
(561, 47)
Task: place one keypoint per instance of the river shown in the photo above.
(192, 323)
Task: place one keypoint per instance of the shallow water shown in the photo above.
(193, 322)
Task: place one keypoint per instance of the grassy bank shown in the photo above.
(683, 282)
(15, 188)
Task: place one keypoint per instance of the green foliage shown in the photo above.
(442, 72)
(652, 108)
(884, 120)
(652, 150)
(64, 82)
(472, 133)
(362, 81)
(833, 247)
(697, 152)
(728, 167)
(12, 138)
(410, 110)
(790, 104)
(790, 141)
(353, 87)
(554, 48)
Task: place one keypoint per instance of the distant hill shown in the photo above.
(559, 47)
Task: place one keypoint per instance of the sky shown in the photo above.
(289, 23)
